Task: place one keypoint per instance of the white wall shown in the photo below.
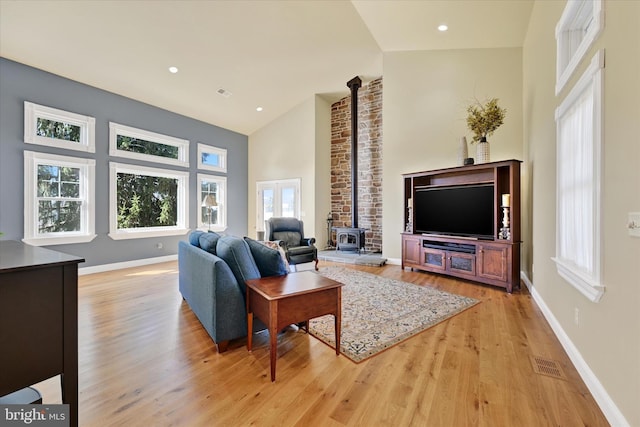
(607, 338)
(296, 145)
(425, 97)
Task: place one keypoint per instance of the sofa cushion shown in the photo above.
(268, 260)
(209, 241)
(194, 237)
(236, 253)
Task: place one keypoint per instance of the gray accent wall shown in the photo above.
(19, 83)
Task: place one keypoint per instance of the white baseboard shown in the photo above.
(394, 261)
(604, 401)
(126, 264)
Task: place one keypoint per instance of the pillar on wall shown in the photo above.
(369, 163)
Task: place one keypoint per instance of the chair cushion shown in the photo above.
(301, 250)
(194, 237)
(209, 241)
(236, 253)
(268, 260)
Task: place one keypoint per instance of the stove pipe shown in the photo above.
(354, 84)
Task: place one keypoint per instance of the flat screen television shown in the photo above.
(466, 211)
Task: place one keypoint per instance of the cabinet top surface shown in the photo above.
(17, 255)
(465, 168)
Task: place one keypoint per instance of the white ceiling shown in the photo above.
(273, 54)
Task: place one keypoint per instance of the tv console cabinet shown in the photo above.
(494, 261)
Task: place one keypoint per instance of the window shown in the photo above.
(57, 128)
(578, 220)
(213, 212)
(276, 199)
(579, 26)
(212, 158)
(58, 199)
(147, 202)
(125, 141)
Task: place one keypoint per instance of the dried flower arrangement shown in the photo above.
(483, 120)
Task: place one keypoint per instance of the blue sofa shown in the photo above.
(213, 270)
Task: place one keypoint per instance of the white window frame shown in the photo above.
(143, 232)
(87, 195)
(276, 185)
(579, 26)
(33, 112)
(588, 281)
(116, 129)
(220, 152)
(203, 223)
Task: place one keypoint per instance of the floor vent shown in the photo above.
(547, 367)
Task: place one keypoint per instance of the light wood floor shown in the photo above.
(146, 360)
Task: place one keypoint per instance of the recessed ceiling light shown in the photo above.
(443, 27)
(258, 109)
(173, 70)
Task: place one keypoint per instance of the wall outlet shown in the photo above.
(576, 316)
(159, 246)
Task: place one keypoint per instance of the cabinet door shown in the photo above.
(410, 250)
(461, 263)
(434, 259)
(494, 261)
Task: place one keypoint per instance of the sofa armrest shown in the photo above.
(212, 292)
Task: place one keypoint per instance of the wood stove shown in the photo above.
(350, 239)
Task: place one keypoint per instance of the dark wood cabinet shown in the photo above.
(39, 320)
(493, 260)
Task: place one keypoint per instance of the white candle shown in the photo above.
(506, 200)
(410, 203)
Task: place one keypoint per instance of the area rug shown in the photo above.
(378, 313)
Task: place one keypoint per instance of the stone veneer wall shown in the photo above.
(369, 163)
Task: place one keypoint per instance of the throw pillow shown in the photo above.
(208, 241)
(194, 237)
(274, 245)
(268, 260)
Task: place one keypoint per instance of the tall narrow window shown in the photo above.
(213, 202)
(578, 219)
(147, 202)
(58, 200)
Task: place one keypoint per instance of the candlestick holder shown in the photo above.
(505, 231)
(409, 227)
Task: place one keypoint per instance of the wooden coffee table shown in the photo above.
(280, 301)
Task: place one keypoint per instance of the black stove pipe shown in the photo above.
(354, 84)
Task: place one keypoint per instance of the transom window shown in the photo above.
(213, 202)
(578, 219)
(147, 202)
(58, 128)
(212, 158)
(59, 199)
(578, 27)
(125, 141)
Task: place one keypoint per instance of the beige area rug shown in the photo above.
(378, 313)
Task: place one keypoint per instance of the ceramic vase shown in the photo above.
(482, 151)
(463, 151)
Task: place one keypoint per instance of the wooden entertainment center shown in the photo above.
(494, 260)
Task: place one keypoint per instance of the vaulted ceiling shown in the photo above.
(269, 54)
